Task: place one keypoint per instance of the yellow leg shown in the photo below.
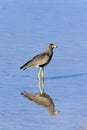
(42, 78)
(39, 75)
(42, 73)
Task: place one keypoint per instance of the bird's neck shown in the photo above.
(50, 51)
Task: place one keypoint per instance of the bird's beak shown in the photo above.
(54, 46)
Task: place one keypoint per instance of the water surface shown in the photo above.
(25, 29)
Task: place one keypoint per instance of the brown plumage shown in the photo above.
(42, 59)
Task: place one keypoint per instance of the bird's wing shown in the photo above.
(40, 59)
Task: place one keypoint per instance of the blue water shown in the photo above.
(25, 29)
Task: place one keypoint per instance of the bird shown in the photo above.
(41, 60)
(42, 99)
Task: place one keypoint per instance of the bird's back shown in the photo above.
(39, 60)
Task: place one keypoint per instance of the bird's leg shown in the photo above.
(42, 78)
(39, 75)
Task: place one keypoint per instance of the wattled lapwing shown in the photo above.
(40, 60)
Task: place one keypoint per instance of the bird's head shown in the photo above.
(52, 46)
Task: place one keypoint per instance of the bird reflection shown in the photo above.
(42, 99)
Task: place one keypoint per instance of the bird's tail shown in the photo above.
(22, 67)
(26, 65)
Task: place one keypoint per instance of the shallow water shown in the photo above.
(25, 29)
